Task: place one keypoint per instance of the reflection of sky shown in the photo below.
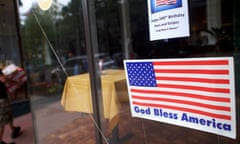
(25, 7)
(27, 4)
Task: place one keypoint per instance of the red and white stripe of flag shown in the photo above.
(165, 2)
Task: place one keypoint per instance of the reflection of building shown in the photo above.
(214, 16)
(10, 47)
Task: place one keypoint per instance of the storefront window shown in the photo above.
(56, 45)
(10, 47)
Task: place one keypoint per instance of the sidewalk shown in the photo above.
(27, 137)
(49, 117)
(46, 122)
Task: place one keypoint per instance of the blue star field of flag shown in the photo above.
(141, 74)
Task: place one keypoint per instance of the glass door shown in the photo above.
(55, 54)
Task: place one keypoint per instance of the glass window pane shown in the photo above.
(55, 51)
(56, 55)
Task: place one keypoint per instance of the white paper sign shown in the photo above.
(168, 19)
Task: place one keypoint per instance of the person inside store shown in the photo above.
(6, 117)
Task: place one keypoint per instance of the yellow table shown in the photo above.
(77, 94)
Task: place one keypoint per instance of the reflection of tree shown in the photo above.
(62, 27)
(108, 26)
(33, 41)
(222, 37)
(71, 28)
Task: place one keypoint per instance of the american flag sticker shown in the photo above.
(161, 5)
(196, 93)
